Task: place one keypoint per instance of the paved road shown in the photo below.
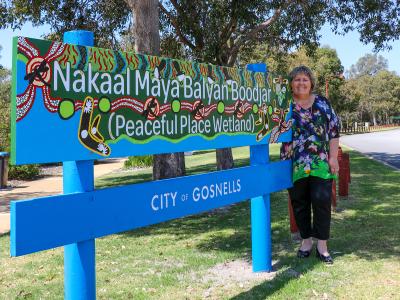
(383, 146)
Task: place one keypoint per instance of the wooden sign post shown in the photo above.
(75, 103)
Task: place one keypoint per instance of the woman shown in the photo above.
(314, 151)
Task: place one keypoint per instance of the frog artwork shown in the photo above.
(280, 87)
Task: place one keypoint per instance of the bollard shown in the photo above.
(344, 175)
(348, 168)
(3, 169)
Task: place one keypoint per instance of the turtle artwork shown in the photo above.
(113, 101)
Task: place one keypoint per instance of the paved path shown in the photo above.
(383, 145)
(50, 185)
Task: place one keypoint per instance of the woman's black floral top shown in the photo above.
(313, 128)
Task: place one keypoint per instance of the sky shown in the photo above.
(348, 47)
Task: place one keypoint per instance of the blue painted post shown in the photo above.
(79, 258)
(260, 207)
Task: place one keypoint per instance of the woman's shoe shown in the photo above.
(303, 254)
(326, 259)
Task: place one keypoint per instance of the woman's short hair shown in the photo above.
(302, 70)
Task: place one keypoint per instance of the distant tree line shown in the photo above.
(371, 93)
(5, 90)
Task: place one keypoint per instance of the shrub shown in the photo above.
(139, 161)
(24, 172)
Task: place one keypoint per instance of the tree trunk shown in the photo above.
(147, 41)
(168, 165)
(224, 156)
(224, 159)
(145, 29)
(374, 118)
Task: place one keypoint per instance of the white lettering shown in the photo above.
(58, 72)
(80, 81)
(119, 86)
(105, 86)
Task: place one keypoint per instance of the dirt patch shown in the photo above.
(233, 274)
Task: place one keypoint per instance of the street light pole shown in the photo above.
(340, 76)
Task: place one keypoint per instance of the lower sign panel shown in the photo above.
(49, 222)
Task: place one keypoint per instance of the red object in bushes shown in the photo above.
(344, 175)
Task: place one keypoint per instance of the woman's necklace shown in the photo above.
(305, 104)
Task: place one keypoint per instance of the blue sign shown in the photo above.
(82, 214)
(80, 103)
(135, 206)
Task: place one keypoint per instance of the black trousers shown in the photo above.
(312, 193)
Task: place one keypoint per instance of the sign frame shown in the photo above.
(30, 218)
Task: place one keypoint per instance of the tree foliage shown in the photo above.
(369, 64)
(5, 89)
(324, 62)
(224, 32)
(377, 21)
(373, 98)
(372, 93)
(216, 31)
(107, 18)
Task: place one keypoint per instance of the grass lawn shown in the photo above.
(207, 256)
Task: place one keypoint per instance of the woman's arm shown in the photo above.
(333, 155)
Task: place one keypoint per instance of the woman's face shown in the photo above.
(301, 85)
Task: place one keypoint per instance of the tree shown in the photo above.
(323, 61)
(216, 31)
(283, 22)
(147, 40)
(109, 20)
(372, 98)
(378, 22)
(106, 18)
(369, 64)
(351, 95)
(235, 25)
(382, 93)
(5, 89)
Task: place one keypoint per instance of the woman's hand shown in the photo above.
(333, 154)
(333, 165)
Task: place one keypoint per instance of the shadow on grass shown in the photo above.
(367, 226)
(203, 152)
(145, 175)
(5, 234)
(371, 230)
(230, 231)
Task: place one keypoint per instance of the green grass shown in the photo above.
(173, 260)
